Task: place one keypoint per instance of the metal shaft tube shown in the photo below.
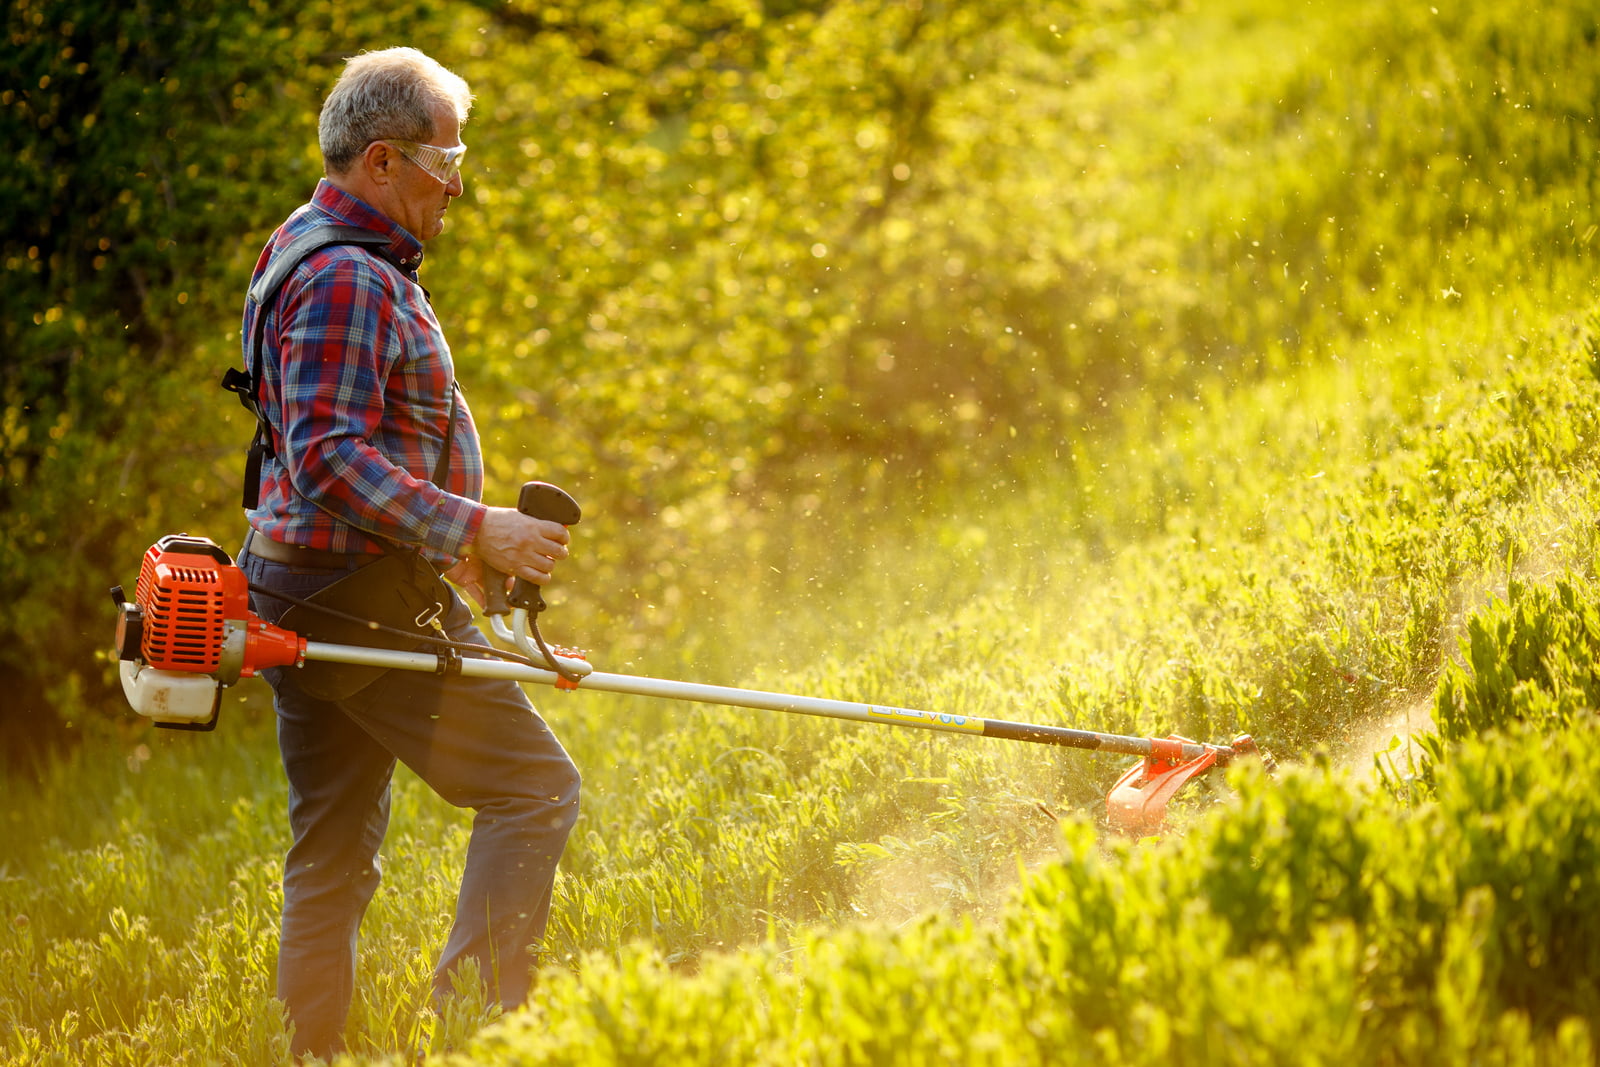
(886, 715)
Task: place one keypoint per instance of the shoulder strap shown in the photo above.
(441, 467)
(247, 383)
(320, 237)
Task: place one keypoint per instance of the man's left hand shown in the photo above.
(468, 576)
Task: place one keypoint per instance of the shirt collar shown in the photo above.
(353, 211)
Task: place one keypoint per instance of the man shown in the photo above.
(357, 385)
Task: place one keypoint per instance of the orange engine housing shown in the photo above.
(197, 619)
(188, 589)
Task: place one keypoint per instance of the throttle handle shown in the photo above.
(539, 500)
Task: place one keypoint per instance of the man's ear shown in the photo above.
(379, 161)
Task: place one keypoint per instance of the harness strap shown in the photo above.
(247, 383)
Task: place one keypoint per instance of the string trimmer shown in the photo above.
(189, 633)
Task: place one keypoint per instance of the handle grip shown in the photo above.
(539, 500)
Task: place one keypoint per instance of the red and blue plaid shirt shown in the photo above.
(356, 382)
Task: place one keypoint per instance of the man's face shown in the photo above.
(416, 199)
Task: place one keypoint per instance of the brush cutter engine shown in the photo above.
(189, 633)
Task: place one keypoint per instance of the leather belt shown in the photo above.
(302, 556)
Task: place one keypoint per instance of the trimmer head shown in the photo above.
(1137, 804)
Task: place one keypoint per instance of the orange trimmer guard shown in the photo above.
(1137, 804)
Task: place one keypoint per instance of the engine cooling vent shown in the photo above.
(185, 602)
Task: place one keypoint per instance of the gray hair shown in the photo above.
(389, 93)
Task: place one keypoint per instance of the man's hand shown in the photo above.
(518, 545)
(467, 575)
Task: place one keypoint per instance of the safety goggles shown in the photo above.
(442, 163)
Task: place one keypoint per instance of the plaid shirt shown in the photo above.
(356, 382)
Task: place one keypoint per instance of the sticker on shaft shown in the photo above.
(938, 720)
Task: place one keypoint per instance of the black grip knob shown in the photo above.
(494, 592)
(542, 500)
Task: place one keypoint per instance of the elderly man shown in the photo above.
(371, 449)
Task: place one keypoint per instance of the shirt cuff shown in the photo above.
(463, 519)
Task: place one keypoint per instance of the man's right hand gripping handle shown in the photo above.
(539, 500)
